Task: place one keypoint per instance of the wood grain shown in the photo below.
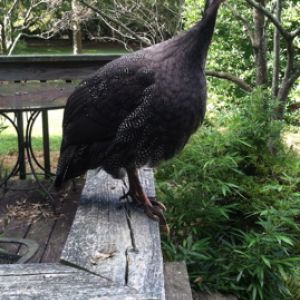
(177, 281)
(50, 67)
(119, 242)
(112, 252)
(62, 227)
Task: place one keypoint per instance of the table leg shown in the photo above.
(46, 146)
(21, 145)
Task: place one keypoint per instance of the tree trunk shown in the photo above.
(6, 33)
(259, 46)
(282, 96)
(2, 39)
(276, 52)
(76, 30)
(77, 41)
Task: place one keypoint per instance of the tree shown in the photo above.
(281, 86)
(76, 27)
(135, 22)
(264, 25)
(272, 31)
(40, 19)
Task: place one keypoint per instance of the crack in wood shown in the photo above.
(132, 238)
(77, 267)
(126, 267)
(48, 240)
(130, 227)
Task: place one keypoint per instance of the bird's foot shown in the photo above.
(155, 212)
(152, 208)
(156, 203)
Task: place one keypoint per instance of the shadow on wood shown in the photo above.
(112, 252)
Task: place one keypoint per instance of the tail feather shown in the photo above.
(76, 160)
(63, 165)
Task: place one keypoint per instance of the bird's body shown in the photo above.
(139, 109)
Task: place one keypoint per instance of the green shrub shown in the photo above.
(234, 203)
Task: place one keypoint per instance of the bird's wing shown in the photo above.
(99, 104)
(138, 137)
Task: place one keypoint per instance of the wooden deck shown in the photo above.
(112, 250)
(24, 213)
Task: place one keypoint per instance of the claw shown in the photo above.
(159, 204)
(152, 208)
(155, 213)
(155, 203)
(165, 228)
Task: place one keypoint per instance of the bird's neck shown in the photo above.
(199, 37)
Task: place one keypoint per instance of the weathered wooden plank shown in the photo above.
(215, 296)
(177, 284)
(36, 95)
(118, 241)
(69, 58)
(32, 269)
(145, 271)
(39, 232)
(145, 263)
(113, 246)
(48, 278)
(73, 292)
(66, 67)
(42, 280)
(99, 237)
(65, 290)
(144, 260)
(47, 72)
(62, 227)
(16, 229)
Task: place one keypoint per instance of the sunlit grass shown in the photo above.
(54, 49)
(8, 144)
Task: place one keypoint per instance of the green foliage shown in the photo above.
(230, 50)
(234, 204)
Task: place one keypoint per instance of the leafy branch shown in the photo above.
(223, 75)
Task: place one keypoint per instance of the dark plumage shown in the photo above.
(139, 109)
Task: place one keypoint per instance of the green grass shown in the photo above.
(23, 48)
(8, 144)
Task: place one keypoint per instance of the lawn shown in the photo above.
(8, 138)
(8, 144)
(64, 47)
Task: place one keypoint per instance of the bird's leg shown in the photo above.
(131, 193)
(153, 209)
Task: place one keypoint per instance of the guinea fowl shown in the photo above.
(138, 110)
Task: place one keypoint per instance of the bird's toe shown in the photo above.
(159, 205)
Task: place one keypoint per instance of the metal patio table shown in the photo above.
(27, 102)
